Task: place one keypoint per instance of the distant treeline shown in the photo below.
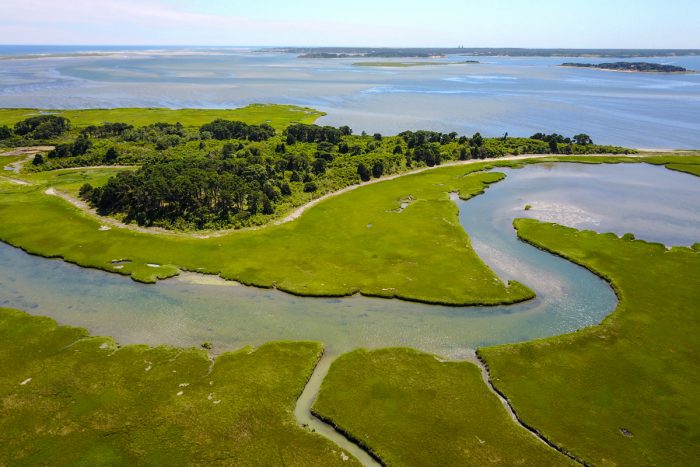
(644, 67)
(386, 54)
(338, 52)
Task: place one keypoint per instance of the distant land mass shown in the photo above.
(413, 64)
(354, 52)
(639, 67)
(386, 54)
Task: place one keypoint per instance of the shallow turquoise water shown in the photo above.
(569, 297)
(520, 96)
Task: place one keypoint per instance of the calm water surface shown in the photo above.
(655, 203)
(516, 95)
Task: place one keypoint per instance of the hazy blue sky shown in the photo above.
(494, 23)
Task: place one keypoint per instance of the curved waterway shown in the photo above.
(653, 202)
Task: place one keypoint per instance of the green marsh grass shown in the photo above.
(411, 409)
(626, 392)
(344, 245)
(67, 398)
(278, 116)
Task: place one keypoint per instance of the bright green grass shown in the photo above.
(278, 116)
(90, 402)
(343, 245)
(348, 244)
(687, 168)
(7, 160)
(638, 371)
(70, 180)
(411, 409)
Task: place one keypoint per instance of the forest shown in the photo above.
(229, 174)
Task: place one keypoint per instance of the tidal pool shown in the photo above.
(655, 203)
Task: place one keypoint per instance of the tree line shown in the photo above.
(196, 193)
(41, 127)
(231, 174)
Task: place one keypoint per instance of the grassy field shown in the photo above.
(278, 116)
(623, 393)
(421, 253)
(411, 409)
(626, 392)
(71, 399)
(693, 169)
(70, 180)
(336, 248)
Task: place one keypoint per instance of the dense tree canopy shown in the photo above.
(315, 134)
(195, 193)
(5, 132)
(107, 130)
(231, 174)
(42, 127)
(226, 129)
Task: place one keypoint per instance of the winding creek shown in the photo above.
(653, 202)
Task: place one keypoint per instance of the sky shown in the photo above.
(374, 23)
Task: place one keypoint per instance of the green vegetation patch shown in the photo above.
(347, 244)
(70, 180)
(73, 399)
(693, 169)
(626, 392)
(275, 115)
(411, 409)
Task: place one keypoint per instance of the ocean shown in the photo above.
(520, 96)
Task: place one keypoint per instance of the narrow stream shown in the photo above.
(302, 412)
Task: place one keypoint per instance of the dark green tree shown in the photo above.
(363, 172)
(111, 155)
(583, 139)
(81, 145)
(553, 146)
(286, 189)
(5, 132)
(228, 151)
(377, 169)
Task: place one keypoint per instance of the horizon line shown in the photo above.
(344, 46)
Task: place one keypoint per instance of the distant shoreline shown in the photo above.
(412, 64)
(631, 67)
(425, 52)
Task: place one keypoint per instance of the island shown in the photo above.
(420, 52)
(412, 64)
(375, 54)
(630, 67)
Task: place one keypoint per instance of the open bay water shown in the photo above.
(183, 312)
(517, 95)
